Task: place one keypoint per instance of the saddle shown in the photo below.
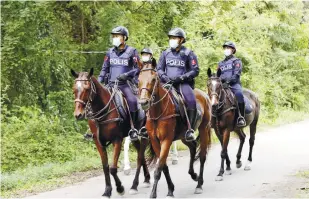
(121, 104)
(180, 107)
(248, 104)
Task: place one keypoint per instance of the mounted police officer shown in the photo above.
(231, 68)
(121, 63)
(147, 57)
(178, 65)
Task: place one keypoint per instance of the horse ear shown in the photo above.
(209, 72)
(219, 72)
(90, 73)
(154, 62)
(74, 73)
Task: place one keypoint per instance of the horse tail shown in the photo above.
(150, 156)
(206, 125)
(198, 148)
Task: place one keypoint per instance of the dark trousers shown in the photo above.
(188, 95)
(131, 98)
(237, 90)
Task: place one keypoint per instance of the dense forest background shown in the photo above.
(41, 41)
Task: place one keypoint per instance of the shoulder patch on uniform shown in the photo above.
(105, 58)
(237, 64)
(193, 62)
(135, 59)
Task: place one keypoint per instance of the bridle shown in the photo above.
(216, 112)
(213, 93)
(97, 115)
(92, 94)
(152, 97)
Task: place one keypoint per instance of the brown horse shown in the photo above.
(95, 102)
(164, 126)
(224, 116)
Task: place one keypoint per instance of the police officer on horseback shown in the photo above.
(231, 68)
(121, 64)
(178, 65)
(147, 57)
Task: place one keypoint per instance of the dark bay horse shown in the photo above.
(164, 126)
(224, 115)
(95, 102)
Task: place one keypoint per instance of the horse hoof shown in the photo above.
(121, 190)
(198, 191)
(133, 192)
(127, 172)
(219, 178)
(174, 162)
(238, 165)
(248, 166)
(228, 172)
(104, 197)
(146, 185)
(169, 196)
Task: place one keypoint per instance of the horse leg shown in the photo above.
(146, 182)
(140, 147)
(113, 169)
(242, 137)
(224, 143)
(104, 159)
(228, 170)
(251, 143)
(192, 148)
(220, 137)
(126, 158)
(205, 140)
(165, 146)
(169, 181)
(175, 153)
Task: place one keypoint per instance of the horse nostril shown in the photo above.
(143, 102)
(79, 116)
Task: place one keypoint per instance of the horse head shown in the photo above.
(214, 87)
(83, 92)
(148, 85)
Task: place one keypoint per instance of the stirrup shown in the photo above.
(192, 137)
(133, 135)
(88, 136)
(242, 120)
(143, 133)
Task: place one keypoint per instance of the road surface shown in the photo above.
(278, 153)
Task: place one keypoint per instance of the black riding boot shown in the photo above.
(241, 122)
(190, 132)
(133, 132)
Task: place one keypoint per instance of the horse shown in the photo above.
(165, 126)
(224, 116)
(96, 103)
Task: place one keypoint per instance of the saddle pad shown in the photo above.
(248, 105)
(120, 103)
(180, 108)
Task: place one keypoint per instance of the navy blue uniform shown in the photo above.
(122, 62)
(182, 63)
(231, 68)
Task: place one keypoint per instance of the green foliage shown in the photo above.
(34, 138)
(40, 40)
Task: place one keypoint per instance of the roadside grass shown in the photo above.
(50, 176)
(303, 191)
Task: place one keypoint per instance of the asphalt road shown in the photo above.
(278, 153)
